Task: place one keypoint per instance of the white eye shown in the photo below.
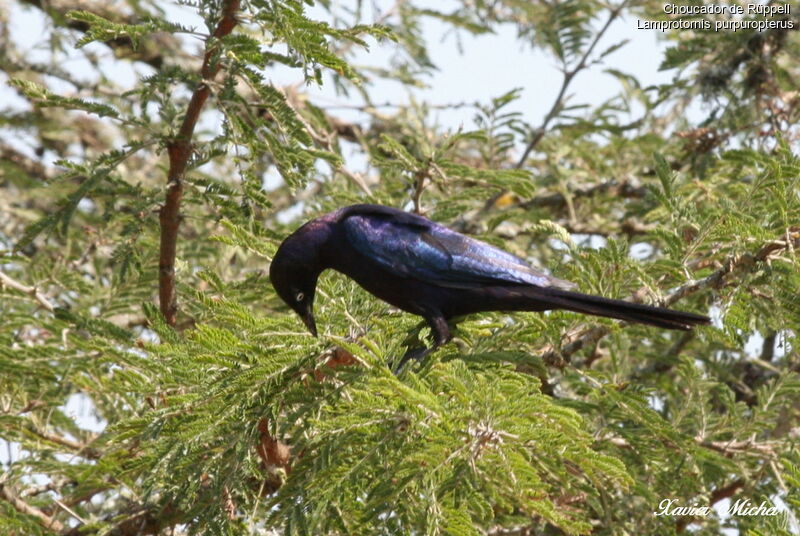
(299, 296)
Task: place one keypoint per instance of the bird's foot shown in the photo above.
(417, 354)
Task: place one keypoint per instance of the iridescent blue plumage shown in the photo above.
(433, 253)
(429, 270)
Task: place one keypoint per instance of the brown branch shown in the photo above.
(578, 339)
(81, 449)
(136, 520)
(732, 264)
(717, 495)
(142, 522)
(25, 508)
(31, 406)
(41, 299)
(228, 504)
(179, 151)
(76, 498)
(612, 188)
(557, 200)
(29, 166)
(558, 103)
(726, 492)
(630, 227)
(569, 75)
(668, 360)
(729, 448)
(33, 491)
(582, 337)
(150, 50)
(765, 449)
(768, 346)
(546, 387)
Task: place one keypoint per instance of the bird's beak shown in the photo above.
(308, 320)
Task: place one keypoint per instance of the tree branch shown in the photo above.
(569, 75)
(629, 189)
(585, 336)
(179, 151)
(612, 188)
(44, 301)
(717, 495)
(726, 447)
(765, 449)
(149, 51)
(28, 165)
(25, 508)
(82, 449)
(630, 228)
(768, 346)
(732, 264)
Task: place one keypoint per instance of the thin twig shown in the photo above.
(150, 51)
(731, 264)
(569, 75)
(577, 339)
(768, 347)
(7, 281)
(419, 185)
(70, 511)
(82, 449)
(611, 188)
(765, 449)
(179, 151)
(357, 179)
(25, 508)
(228, 504)
(717, 495)
(32, 167)
(585, 336)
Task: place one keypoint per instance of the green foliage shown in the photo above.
(235, 421)
(101, 29)
(493, 449)
(43, 97)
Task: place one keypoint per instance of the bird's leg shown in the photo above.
(417, 354)
(414, 334)
(440, 328)
(441, 335)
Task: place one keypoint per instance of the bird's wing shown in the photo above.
(411, 246)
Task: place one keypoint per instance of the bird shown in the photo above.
(429, 270)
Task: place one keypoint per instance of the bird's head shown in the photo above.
(294, 271)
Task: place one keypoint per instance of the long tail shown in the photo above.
(622, 310)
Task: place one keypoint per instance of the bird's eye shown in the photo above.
(299, 296)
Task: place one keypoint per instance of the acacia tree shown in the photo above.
(138, 221)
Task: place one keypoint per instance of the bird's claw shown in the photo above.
(417, 354)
